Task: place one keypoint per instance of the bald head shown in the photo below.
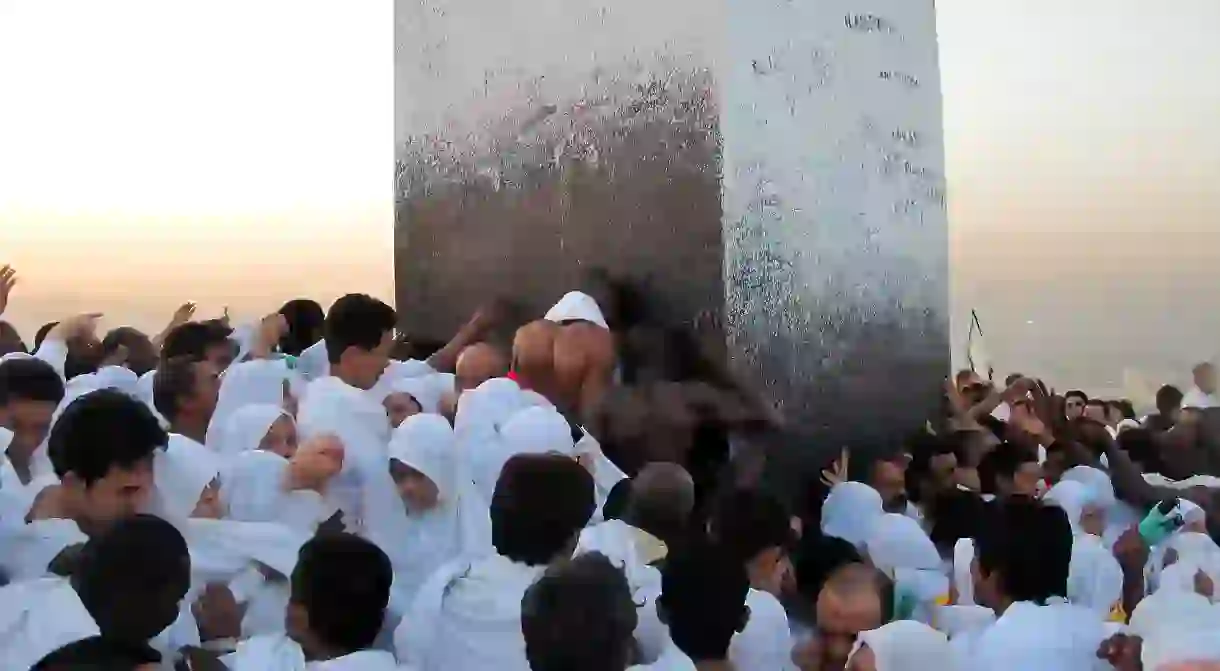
(479, 363)
(855, 598)
(662, 499)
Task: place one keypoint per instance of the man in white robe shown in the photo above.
(468, 616)
(1203, 395)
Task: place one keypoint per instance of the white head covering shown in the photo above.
(538, 430)
(425, 389)
(252, 486)
(181, 473)
(120, 378)
(900, 548)
(260, 381)
(897, 541)
(1071, 497)
(39, 617)
(459, 525)
(1176, 627)
(576, 306)
(849, 512)
(6, 438)
(248, 426)
(1096, 482)
(907, 646)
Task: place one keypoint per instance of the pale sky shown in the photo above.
(240, 152)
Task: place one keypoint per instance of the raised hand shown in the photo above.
(8, 280)
(183, 314)
(837, 473)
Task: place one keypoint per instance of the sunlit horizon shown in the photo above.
(241, 154)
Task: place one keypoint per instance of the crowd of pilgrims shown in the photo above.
(584, 495)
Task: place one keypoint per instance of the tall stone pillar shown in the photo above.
(780, 161)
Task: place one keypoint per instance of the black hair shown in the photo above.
(746, 522)
(42, 333)
(1125, 407)
(923, 449)
(10, 339)
(579, 616)
(1012, 379)
(356, 320)
(955, 514)
(343, 583)
(541, 503)
(29, 379)
(1098, 403)
(1140, 445)
(1168, 398)
(816, 557)
(1078, 394)
(98, 653)
(1003, 461)
(131, 578)
(617, 500)
(703, 599)
(1027, 571)
(175, 380)
(141, 355)
(193, 340)
(101, 430)
(305, 322)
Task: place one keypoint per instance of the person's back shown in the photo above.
(579, 616)
(468, 617)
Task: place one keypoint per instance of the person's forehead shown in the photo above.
(848, 610)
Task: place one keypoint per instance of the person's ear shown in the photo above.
(745, 619)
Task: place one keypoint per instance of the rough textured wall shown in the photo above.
(781, 160)
(536, 139)
(836, 238)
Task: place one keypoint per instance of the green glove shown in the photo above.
(1161, 521)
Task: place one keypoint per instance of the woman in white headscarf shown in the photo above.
(902, 646)
(260, 427)
(258, 382)
(535, 430)
(849, 512)
(445, 517)
(901, 549)
(413, 395)
(1095, 578)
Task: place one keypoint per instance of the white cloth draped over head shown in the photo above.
(254, 489)
(907, 646)
(1095, 578)
(420, 542)
(1194, 552)
(248, 426)
(535, 430)
(181, 472)
(427, 390)
(901, 549)
(576, 306)
(849, 512)
(257, 382)
(467, 617)
(1176, 627)
(38, 617)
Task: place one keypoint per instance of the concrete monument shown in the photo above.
(779, 161)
